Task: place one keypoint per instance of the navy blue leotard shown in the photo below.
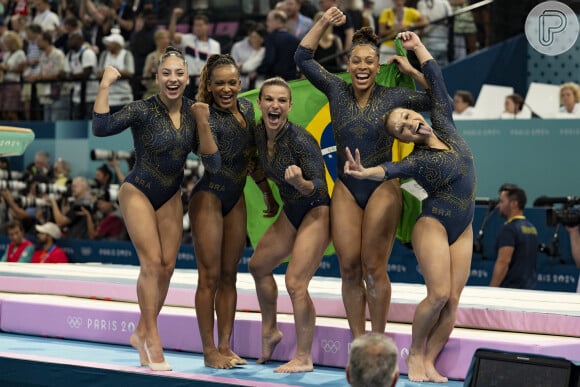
(294, 146)
(160, 148)
(358, 127)
(448, 176)
(237, 147)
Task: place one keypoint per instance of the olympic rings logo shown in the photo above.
(74, 321)
(330, 346)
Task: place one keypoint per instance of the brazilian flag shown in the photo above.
(310, 109)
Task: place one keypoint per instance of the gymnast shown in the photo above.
(364, 214)
(217, 208)
(165, 129)
(442, 239)
(291, 157)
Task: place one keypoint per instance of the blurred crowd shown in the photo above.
(54, 51)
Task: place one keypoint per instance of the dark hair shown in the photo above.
(46, 36)
(15, 223)
(275, 81)
(171, 51)
(213, 62)
(465, 96)
(34, 28)
(518, 100)
(106, 171)
(515, 193)
(201, 16)
(365, 36)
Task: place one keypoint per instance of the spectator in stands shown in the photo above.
(574, 232)
(80, 66)
(249, 54)
(39, 167)
(51, 65)
(24, 204)
(308, 8)
(48, 252)
(110, 224)
(298, 24)
(196, 46)
(118, 15)
(464, 29)
(61, 173)
(442, 236)
(463, 106)
(19, 249)
(151, 62)
(45, 18)
(119, 57)
(394, 20)
(569, 101)
(344, 31)
(369, 19)
(70, 217)
(13, 65)
(33, 54)
(517, 242)
(280, 47)
(141, 45)
(70, 26)
(514, 108)
(372, 361)
(329, 49)
(103, 177)
(436, 36)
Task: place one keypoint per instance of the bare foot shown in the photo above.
(137, 343)
(433, 375)
(214, 359)
(233, 356)
(269, 343)
(294, 366)
(416, 369)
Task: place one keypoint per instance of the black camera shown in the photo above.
(566, 214)
(103, 154)
(13, 185)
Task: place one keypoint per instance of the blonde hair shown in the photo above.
(15, 38)
(573, 87)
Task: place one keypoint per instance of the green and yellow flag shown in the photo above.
(310, 109)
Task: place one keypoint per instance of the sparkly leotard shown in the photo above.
(237, 147)
(358, 127)
(294, 146)
(448, 176)
(160, 148)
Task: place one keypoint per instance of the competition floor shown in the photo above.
(73, 322)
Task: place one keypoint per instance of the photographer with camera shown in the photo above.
(71, 217)
(517, 242)
(110, 224)
(25, 205)
(574, 232)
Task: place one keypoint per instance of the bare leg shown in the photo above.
(312, 239)
(207, 230)
(432, 251)
(273, 248)
(226, 295)
(461, 252)
(156, 268)
(380, 221)
(346, 226)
